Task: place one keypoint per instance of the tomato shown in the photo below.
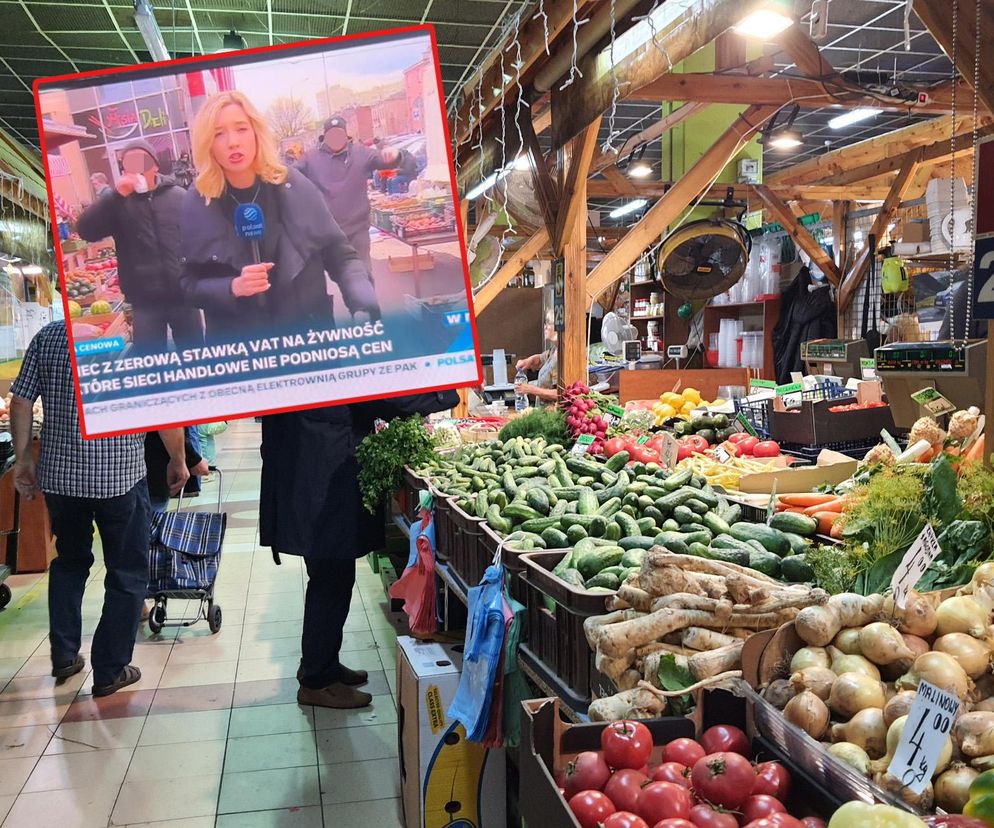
(664, 800)
(588, 772)
(644, 454)
(626, 744)
(704, 816)
(614, 445)
(747, 445)
(813, 822)
(766, 448)
(624, 819)
(591, 808)
(695, 441)
(772, 778)
(624, 787)
(674, 823)
(724, 779)
(776, 821)
(725, 738)
(738, 437)
(760, 806)
(684, 751)
(684, 451)
(672, 772)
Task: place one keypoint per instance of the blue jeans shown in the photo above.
(123, 523)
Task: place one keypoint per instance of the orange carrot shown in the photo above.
(836, 531)
(805, 500)
(927, 455)
(832, 506)
(826, 520)
(976, 452)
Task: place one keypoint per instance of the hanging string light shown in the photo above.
(608, 145)
(972, 248)
(951, 259)
(650, 19)
(574, 69)
(545, 22)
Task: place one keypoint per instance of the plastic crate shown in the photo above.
(445, 528)
(556, 638)
(856, 449)
(466, 556)
(757, 412)
(757, 514)
(511, 558)
(406, 501)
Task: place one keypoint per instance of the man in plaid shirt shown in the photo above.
(98, 481)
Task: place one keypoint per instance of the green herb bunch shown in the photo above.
(540, 422)
(382, 457)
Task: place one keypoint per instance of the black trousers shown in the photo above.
(152, 322)
(326, 608)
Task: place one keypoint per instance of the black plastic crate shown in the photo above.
(467, 557)
(855, 449)
(757, 412)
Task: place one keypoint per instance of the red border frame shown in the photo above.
(214, 59)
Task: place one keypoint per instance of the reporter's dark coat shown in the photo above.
(310, 503)
(309, 242)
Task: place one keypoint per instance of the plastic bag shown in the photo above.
(416, 586)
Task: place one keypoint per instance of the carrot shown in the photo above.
(826, 520)
(927, 455)
(836, 531)
(832, 506)
(805, 500)
(976, 452)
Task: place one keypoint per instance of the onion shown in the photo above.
(807, 712)
(779, 692)
(961, 614)
(853, 692)
(847, 641)
(882, 644)
(952, 788)
(943, 671)
(852, 755)
(918, 646)
(972, 654)
(973, 733)
(898, 706)
(866, 729)
(855, 664)
(982, 586)
(809, 657)
(818, 680)
(918, 616)
(921, 802)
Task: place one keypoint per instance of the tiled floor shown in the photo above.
(212, 735)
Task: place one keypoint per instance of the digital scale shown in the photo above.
(496, 366)
(835, 357)
(956, 371)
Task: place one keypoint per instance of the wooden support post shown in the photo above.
(782, 213)
(677, 199)
(531, 247)
(573, 340)
(806, 55)
(573, 198)
(890, 205)
(546, 190)
(461, 410)
(989, 391)
(840, 211)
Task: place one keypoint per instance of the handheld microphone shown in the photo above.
(250, 223)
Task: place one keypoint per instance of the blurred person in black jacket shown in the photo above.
(807, 311)
(157, 459)
(310, 505)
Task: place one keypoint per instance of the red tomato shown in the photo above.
(695, 441)
(624, 819)
(664, 800)
(738, 437)
(591, 808)
(613, 446)
(776, 821)
(704, 816)
(722, 738)
(588, 772)
(624, 787)
(674, 823)
(761, 806)
(766, 448)
(684, 451)
(813, 822)
(626, 744)
(748, 444)
(684, 751)
(672, 772)
(724, 779)
(772, 778)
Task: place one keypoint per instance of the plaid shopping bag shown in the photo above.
(184, 550)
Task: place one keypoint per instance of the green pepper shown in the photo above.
(980, 805)
(861, 815)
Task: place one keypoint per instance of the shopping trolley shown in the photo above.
(8, 552)
(184, 553)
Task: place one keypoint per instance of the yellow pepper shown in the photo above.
(861, 815)
(981, 803)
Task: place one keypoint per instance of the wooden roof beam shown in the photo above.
(650, 133)
(546, 190)
(785, 216)
(574, 192)
(530, 248)
(894, 198)
(805, 54)
(655, 222)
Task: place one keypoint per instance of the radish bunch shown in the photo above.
(584, 414)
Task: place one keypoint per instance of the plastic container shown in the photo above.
(467, 557)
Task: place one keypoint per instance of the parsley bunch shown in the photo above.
(382, 457)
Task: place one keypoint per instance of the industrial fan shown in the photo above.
(615, 331)
(483, 251)
(704, 258)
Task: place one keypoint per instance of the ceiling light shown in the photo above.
(640, 171)
(625, 209)
(482, 187)
(232, 42)
(149, 29)
(32, 270)
(785, 140)
(766, 21)
(854, 117)
(522, 162)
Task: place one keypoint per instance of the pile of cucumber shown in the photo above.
(608, 513)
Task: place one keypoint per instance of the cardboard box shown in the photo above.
(831, 467)
(444, 777)
(915, 232)
(814, 424)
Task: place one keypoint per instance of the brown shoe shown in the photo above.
(338, 695)
(353, 678)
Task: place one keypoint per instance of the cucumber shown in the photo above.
(593, 561)
(481, 504)
(646, 502)
(587, 502)
(524, 472)
(698, 482)
(731, 513)
(559, 509)
(678, 498)
(697, 537)
(728, 542)
(573, 578)
(630, 499)
(594, 525)
(567, 492)
(575, 534)
(673, 541)
(538, 500)
(713, 521)
(798, 545)
(586, 481)
(585, 468)
(608, 477)
(796, 524)
(796, 569)
(647, 526)
(618, 461)
(564, 564)
(669, 525)
(499, 497)
(520, 512)
(677, 479)
(539, 525)
(643, 543)
(555, 538)
(654, 514)
(756, 545)
(604, 580)
(735, 556)
(683, 514)
(497, 521)
(699, 550)
(773, 539)
(612, 531)
(765, 562)
(599, 590)
(698, 506)
(610, 507)
(656, 492)
(620, 571)
(510, 484)
(629, 526)
(633, 558)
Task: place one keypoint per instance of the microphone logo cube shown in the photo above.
(250, 223)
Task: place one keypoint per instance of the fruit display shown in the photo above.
(38, 414)
(100, 306)
(682, 783)
(672, 404)
(927, 439)
(75, 310)
(587, 412)
(81, 288)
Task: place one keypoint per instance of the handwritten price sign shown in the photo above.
(916, 560)
(925, 733)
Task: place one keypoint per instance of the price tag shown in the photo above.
(925, 734)
(721, 455)
(913, 565)
(613, 414)
(933, 402)
(868, 368)
(742, 424)
(761, 383)
(668, 449)
(642, 440)
(582, 445)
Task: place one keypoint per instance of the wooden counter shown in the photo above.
(35, 543)
(649, 384)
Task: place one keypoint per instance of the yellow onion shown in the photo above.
(898, 706)
(855, 664)
(818, 680)
(847, 641)
(882, 644)
(941, 670)
(853, 692)
(866, 729)
(807, 712)
(972, 654)
(952, 788)
(809, 657)
(852, 755)
(961, 614)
